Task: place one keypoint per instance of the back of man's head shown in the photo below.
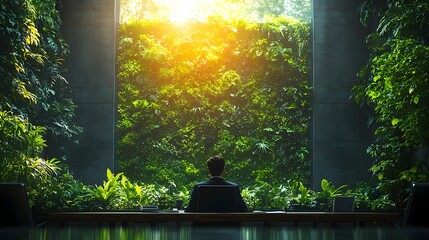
(216, 164)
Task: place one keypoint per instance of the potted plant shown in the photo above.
(328, 192)
(302, 198)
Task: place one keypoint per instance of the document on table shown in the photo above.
(274, 211)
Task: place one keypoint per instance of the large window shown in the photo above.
(199, 78)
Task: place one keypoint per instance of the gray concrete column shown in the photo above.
(340, 132)
(89, 28)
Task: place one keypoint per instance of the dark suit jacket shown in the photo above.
(192, 206)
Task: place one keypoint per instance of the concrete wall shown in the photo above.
(89, 28)
(340, 132)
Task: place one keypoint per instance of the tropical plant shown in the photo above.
(35, 112)
(368, 197)
(328, 192)
(302, 197)
(131, 194)
(31, 55)
(118, 192)
(262, 195)
(394, 84)
(47, 180)
(105, 196)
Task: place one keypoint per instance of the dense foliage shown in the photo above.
(224, 87)
(395, 84)
(31, 56)
(33, 103)
(119, 192)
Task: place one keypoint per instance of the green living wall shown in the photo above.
(35, 112)
(395, 84)
(226, 87)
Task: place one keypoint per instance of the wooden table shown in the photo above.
(162, 217)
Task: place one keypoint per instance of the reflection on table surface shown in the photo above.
(172, 231)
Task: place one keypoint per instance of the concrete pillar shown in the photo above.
(340, 132)
(89, 28)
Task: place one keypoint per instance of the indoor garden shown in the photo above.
(219, 77)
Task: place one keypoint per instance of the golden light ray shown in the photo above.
(180, 11)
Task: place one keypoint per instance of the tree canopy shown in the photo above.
(200, 10)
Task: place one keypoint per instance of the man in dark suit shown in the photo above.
(216, 167)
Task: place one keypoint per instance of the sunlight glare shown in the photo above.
(180, 11)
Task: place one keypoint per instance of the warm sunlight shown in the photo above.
(180, 11)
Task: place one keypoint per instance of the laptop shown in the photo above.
(343, 204)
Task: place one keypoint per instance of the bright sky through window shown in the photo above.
(180, 11)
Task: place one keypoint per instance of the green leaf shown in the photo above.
(376, 78)
(109, 174)
(395, 121)
(324, 185)
(140, 103)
